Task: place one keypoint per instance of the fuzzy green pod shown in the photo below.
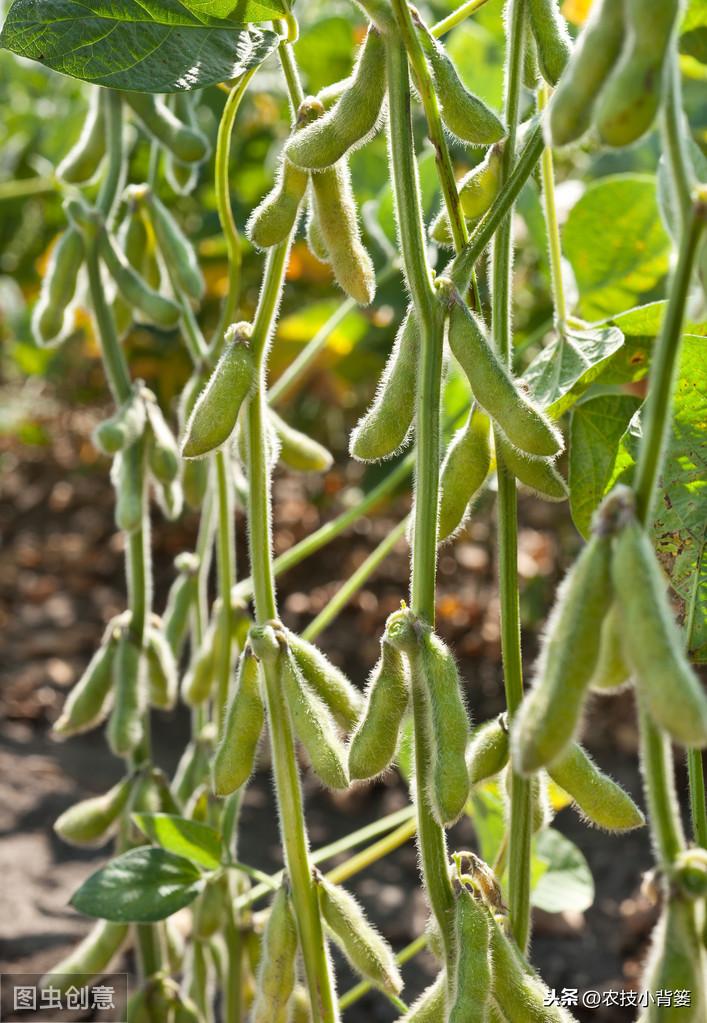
(199, 679)
(93, 955)
(180, 602)
(375, 740)
(550, 713)
(184, 142)
(464, 470)
(215, 413)
(125, 726)
(329, 683)
(193, 767)
(538, 474)
(235, 754)
(598, 798)
(531, 69)
(183, 177)
(128, 478)
(313, 724)
(84, 158)
(276, 973)
(612, 672)
(209, 909)
(177, 251)
(387, 425)
(162, 449)
(273, 220)
(315, 238)
(652, 643)
(472, 961)
(162, 672)
(138, 244)
(488, 750)
(338, 220)
(49, 319)
(353, 119)
(92, 821)
(162, 311)
(367, 951)
(551, 36)
(477, 191)
(595, 54)
(169, 498)
(464, 114)
(525, 426)
(433, 668)
(124, 427)
(676, 963)
(630, 99)
(430, 1007)
(88, 702)
(297, 450)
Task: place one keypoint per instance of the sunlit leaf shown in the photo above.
(567, 884)
(561, 373)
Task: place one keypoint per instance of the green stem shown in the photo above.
(551, 223)
(289, 69)
(456, 17)
(115, 169)
(23, 188)
(675, 134)
(149, 948)
(225, 547)
(659, 786)
(520, 818)
(431, 836)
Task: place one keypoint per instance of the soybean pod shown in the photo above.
(611, 673)
(297, 450)
(430, 1007)
(245, 718)
(133, 288)
(124, 427)
(276, 975)
(187, 144)
(92, 821)
(676, 963)
(89, 701)
(162, 672)
(183, 177)
(552, 38)
(128, 475)
(328, 682)
(477, 191)
(598, 798)
(464, 471)
(91, 956)
(472, 960)
(272, 221)
(49, 320)
(375, 740)
(182, 596)
(177, 251)
(126, 724)
(538, 474)
(83, 160)
(162, 449)
(488, 750)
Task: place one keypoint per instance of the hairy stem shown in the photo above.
(551, 224)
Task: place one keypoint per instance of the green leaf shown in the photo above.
(141, 886)
(616, 244)
(567, 884)
(147, 46)
(640, 326)
(240, 11)
(693, 31)
(597, 429)
(564, 370)
(487, 811)
(197, 842)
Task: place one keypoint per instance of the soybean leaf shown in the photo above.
(564, 370)
(141, 886)
(693, 31)
(567, 883)
(616, 243)
(197, 842)
(147, 46)
(240, 11)
(597, 429)
(640, 326)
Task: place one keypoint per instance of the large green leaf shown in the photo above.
(564, 370)
(616, 243)
(240, 11)
(640, 327)
(197, 842)
(141, 886)
(567, 883)
(693, 31)
(146, 46)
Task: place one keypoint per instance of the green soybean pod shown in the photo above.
(276, 973)
(88, 702)
(138, 244)
(598, 798)
(245, 718)
(199, 679)
(92, 821)
(676, 963)
(193, 767)
(313, 724)
(464, 471)
(338, 220)
(596, 52)
(315, 238)
(83, 160)
(550, 712)
(353, 119)
(300, 1009)
(434, 664)
(177, 251)
(162, 449)
(630, 99)
(215, 413)
(488, 750)
(612, 672)
(163, 312)
(538, 474)
(329, 683)
(297, 450)
(181, 599)
(124, 427)
(430, 1007)
(525, 426)
(183, 177)
(128, 478)
(272, 221)
(652, 642)
(472, 960)
(162, 671)
(126, 725)
(464, 114)
(58, 287)
(552, 38)
(365, 948)
(387, 425)
(185, 143)
(375, 740)
(169, 498)
(209, 909)
(531, 69)
(92, 956)
(477, 191)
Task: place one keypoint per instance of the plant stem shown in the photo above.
(456, 17)
(115, 169)
(431, 836)
(354, 864)
(659, 786)
(675, 133)
(552, 226)
(225, 546)
(520, 818)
